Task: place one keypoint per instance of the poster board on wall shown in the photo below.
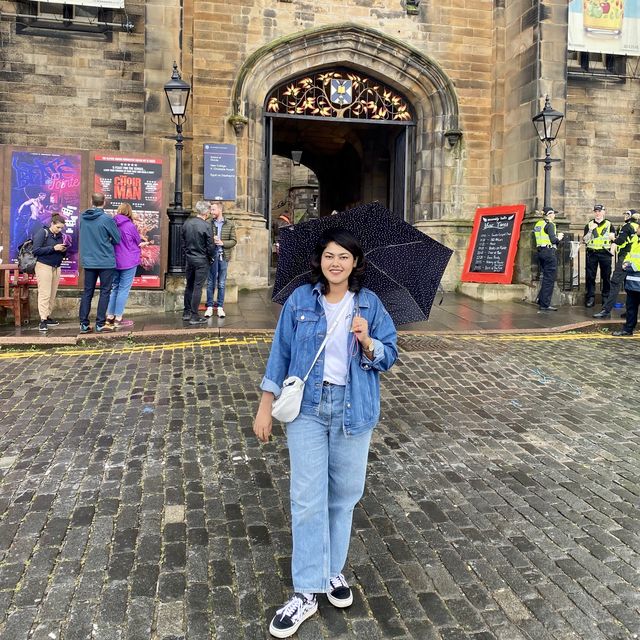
(493, 244)
(605, 26)
(220, 172)
(140, 180)
(39, 182)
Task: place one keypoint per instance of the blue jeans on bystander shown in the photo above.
(122, 281)
(217, 279)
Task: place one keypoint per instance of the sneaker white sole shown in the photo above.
(341, 603)
(285, 633)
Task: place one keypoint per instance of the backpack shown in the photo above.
(26, 259)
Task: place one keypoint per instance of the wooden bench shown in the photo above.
(14, 293)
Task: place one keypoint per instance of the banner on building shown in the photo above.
(610, 27)
(137, 180)
(44, 183)
(220, 172)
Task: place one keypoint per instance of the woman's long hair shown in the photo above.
(347, 241)
(125, 210)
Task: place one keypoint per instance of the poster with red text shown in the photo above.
(136, 180)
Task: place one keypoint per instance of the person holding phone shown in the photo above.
(49, 249)
(329, 440)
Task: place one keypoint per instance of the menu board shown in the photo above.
(493, 245)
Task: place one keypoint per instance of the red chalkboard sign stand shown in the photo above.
(493, 245)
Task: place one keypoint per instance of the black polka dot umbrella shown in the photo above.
(404, 265)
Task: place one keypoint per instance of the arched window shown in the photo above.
(339, 94)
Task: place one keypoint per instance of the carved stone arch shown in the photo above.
(413, 74)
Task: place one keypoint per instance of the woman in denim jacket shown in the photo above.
(329, 440)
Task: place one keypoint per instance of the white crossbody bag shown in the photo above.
(287, 407)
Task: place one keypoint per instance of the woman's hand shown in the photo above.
(59, 247)
(360, 327)
(263, 423)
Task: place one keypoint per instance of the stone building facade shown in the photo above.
(472, 74)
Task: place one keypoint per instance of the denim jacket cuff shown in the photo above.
(270, 386)
(378, 354)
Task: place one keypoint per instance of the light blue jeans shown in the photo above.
(122, 281)
(328, 471)
(217, 279)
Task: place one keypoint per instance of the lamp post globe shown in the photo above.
(547, 124)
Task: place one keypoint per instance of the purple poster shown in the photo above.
(43, 184)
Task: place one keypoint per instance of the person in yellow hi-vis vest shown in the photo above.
(620, 248)
(632, 286)
(547, 242)
(598, 234)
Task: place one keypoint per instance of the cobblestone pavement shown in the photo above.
(502, 500)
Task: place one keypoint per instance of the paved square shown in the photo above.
(502, 499)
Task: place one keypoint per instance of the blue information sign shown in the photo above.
(220, 172)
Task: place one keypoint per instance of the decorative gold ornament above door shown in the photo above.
(339, 94)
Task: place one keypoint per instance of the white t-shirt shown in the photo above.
(336, 355)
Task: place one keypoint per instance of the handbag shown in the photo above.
(287, 406)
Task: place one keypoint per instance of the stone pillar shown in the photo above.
(249, 268)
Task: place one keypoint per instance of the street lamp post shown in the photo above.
(547, 124)
(177, 91)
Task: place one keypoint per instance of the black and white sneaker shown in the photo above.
(43, 326)
(51, 322)
(339, 593)
(292, 614)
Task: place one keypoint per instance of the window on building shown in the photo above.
(597, 65)
(77, 17)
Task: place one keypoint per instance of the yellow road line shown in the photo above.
(141, 348)
(249, 340)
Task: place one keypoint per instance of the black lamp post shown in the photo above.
(177, 91)
(547, 124)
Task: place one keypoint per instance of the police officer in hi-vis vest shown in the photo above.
(546, 242)
(632, 286)
(622, 244)
(598, 234)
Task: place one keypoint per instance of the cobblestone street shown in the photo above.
(502, 499)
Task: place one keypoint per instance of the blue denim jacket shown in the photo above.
(300, 331)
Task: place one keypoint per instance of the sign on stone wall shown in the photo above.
(605, 26)
(44, 183)
(220, 172)
(493, 245)
(138, 181)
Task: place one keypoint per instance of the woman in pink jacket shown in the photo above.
(127, 260)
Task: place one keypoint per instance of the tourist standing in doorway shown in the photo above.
(98, 235)
(329, 439)
(598, 234)
(224, 237)
(198, 250)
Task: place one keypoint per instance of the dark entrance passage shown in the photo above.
(354, 162)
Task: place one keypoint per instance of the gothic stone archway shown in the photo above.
(410, 72)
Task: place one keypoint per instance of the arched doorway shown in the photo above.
(435, 172)
(351, 129)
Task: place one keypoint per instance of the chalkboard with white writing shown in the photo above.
(492, 243)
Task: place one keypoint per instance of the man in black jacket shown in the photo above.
(197, 241)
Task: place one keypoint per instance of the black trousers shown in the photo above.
(90, 281)
(616, 283)
(597, 259)
(633, 302)
(196, 275)
(548, 261)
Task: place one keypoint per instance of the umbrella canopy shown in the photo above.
(404, 265)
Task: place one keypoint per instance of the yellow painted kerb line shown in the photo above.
(142, 348)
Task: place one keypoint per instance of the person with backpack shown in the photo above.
(49, 250)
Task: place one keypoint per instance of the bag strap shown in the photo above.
(326, 338)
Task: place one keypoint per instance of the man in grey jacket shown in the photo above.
(197, 241)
